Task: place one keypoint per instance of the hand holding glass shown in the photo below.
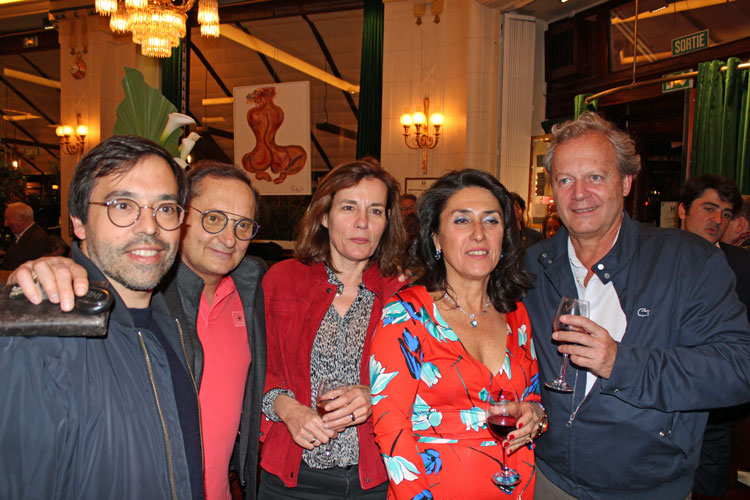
(502, 416)
(327, 384)
(572, 307)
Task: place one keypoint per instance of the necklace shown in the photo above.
(472, 321)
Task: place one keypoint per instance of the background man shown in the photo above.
(708, 203)
(31, 241)
(661, 301)
(738, 231)
(215, 293)
(112, 417)
(528, 236)
(408, 204)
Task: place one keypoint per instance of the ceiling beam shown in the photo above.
(331, 63)
(239, 36)
(27, 100)
(27, 134)
(254, 10)
(22, 142)
(36, 68)
(210, 69)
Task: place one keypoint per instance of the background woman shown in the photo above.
(551, 225)
(322, 308)
(447, 344)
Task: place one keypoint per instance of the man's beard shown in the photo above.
(117, 266)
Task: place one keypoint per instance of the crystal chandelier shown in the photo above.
(158, 25)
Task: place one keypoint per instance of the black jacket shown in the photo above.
(637, 435)
(33, 244)
(739, 261)
(92, 418)
(183, 289)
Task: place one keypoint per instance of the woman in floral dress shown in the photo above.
(452, 341)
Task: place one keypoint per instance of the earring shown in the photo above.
(438, 254)
(501, 255)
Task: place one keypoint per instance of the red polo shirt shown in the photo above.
(226, 359)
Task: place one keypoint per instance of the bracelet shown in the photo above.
(544, 423)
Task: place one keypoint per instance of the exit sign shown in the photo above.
(677, 84)
(690, 43)
(30, 42)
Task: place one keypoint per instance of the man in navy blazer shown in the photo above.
(666, 339)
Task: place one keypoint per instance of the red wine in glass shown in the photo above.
(502, 415)
(567, 306)
(500, 426)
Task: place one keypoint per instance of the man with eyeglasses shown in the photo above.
(216, 295)
(117, 416)
(219, 292)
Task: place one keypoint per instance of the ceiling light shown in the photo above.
(158, 25)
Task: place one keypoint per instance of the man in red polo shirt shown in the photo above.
(215, 291)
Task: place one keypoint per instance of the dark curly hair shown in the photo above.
(509, 281)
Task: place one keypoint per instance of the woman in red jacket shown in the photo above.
(322, 308)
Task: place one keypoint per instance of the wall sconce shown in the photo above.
(421, 139)
(65, 131)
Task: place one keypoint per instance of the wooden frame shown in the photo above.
(415, 185)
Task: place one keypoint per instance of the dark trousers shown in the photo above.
(712, 474)
(320, 484)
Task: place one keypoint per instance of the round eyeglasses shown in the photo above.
(214, 221)
(123, 212)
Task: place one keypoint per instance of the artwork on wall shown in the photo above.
(272, 136)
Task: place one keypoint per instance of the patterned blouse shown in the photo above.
(429, 396)
(336, 353)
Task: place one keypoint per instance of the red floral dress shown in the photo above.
(429, 395)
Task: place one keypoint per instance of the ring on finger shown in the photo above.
(351, 415)
(314, 440)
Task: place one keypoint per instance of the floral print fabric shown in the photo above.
(429, 395)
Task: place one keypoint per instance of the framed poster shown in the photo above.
(272, 136)
(415, 185)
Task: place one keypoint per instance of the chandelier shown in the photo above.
(158, 25)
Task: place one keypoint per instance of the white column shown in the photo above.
(96, 95)
(454, 63)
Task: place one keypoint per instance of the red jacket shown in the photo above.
(297, 297)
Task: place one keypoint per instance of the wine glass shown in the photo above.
(572, 307)
(326, 384)
(502, 415)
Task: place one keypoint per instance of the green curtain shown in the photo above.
(371, 81)
(722, 123)
(579, 105)
(171, 77)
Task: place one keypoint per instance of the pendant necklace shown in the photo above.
(472, 321)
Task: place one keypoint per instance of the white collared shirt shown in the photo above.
(604, 304)
(18, 236)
